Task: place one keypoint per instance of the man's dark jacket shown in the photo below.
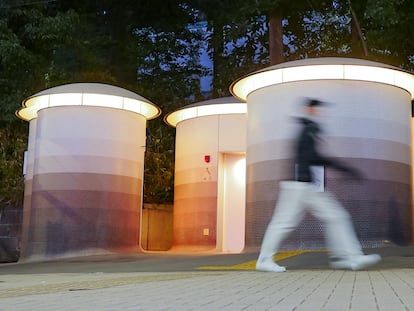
(307, 153)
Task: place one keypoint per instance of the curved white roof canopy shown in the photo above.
(87, 94)
(217, 106)
(326, 68)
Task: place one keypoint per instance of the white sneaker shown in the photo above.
(269, 266)
(356, 262)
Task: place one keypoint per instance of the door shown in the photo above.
(231, 202)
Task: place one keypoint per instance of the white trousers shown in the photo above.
(294, 200)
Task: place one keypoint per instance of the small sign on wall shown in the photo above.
(318, 177)
(24, 163)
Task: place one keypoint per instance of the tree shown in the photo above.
(235, 40)
(358, 41)
(153, 49)
(37, 50)
(168, 72)
(12, 145)
(389, 28)
(43, 44)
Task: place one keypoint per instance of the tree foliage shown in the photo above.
(389, 29)
(141, 48)
(153, 48)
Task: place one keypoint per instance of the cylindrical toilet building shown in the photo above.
(367, 125)
(83, 185)
(209, 175)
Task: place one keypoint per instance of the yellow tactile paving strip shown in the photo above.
(251, 265)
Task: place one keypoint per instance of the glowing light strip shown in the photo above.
(32, 105)
(244, 86)
(204, 110)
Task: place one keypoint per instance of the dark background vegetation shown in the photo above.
(153, 48)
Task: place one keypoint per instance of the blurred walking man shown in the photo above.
(298, 196)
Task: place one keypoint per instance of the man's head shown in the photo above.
(311, 106)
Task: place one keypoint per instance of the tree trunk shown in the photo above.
(358, 44)
(218, 50)
(275, 38)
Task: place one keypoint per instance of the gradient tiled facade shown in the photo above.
(84, 181)
(367, 125)
(196, 181)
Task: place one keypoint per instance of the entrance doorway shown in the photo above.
(231, 203)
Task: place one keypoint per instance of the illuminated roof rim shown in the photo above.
(327, 61)
(91, 88)
(214, 101)
(322, 61)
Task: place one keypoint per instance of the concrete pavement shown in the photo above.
(206, 281)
